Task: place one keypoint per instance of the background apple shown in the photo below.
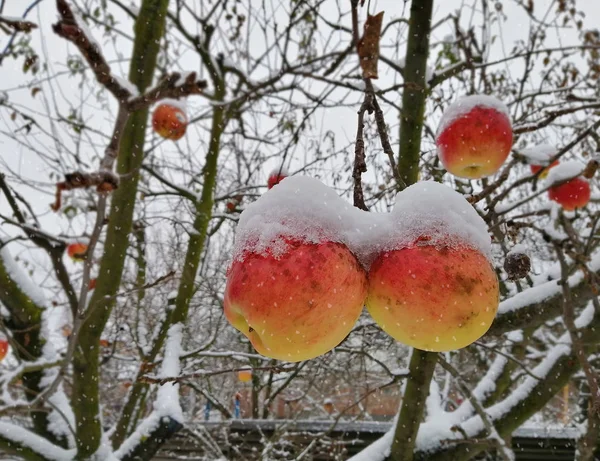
(76, 251)
(276, 176)
(572, 194)
(300, 305)
(543, 174)
(169, 121)
(434, 299)
(3, 348)
(475, 137)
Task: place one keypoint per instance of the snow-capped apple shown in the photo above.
(433, 298)
(474, 137)
(546, 169)
(3, 348)
(572, 194)
(431, 285)
(296, 305)
(76, 251)
(276, 176)
(169, 121)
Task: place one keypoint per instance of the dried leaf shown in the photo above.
(368, 46)
(35, 91)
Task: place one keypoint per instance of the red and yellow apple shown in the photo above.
(169, 121)
(275, 178)
(245, 376)
(572, 194)
(3, 348)
(475, 144)
(546, 169)
(434, 299)
(76, 251)
(299, 305)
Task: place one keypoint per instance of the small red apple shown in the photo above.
(433, 298)
(92, 284)
(231, 206)
(76, 251)
(543, 174)
(572, 194)
(276, 176)
(299, 305)
(475, 137)
(169, 121)
(3, 348)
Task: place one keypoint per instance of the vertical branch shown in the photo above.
(415, 91)
(149, 29)
(422, 365)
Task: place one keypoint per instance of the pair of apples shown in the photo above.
(300, 298)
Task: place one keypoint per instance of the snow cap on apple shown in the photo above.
(294, 288)
(569, 189)
(539, 158)
(434, 287)
(474, 137)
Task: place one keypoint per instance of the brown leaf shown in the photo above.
(35, 91)
(368, 46)
(591, 168)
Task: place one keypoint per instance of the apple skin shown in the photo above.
(3, 348)
(573, 194)
(76, 251)
(476, 144)
(275, 179)
(543, 174)
(300, 305)
(245, 376)
(169, 121)
(433, 299)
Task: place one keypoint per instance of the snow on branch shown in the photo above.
(72, 28)
(31, 446)
(17, 289)
(167, 416)
(543, 302)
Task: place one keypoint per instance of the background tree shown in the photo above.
(101, 373)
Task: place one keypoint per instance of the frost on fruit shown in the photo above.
(474, 136)
(566, 170)
(301, 253)
(464, 105)
(540, 154)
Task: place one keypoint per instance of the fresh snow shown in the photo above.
(464, 105)
(127, 85)
(180, 104)
(167, 399)
(518, 249)
(23, 281)
(565, 170)
(167, 403)
(304, 209)
(40, 445)
(540, 154)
